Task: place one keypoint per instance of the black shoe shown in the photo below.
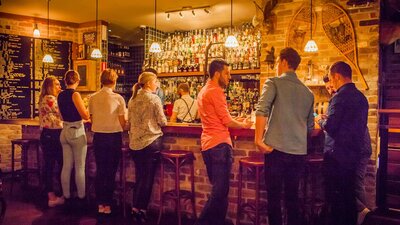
(139, 216)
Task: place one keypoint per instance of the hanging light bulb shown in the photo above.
(311, 46)
(181, 15)
(96, 53)
(168, 16)
(36, 31)
(231, 41)
(155, 46)
(47, 57)
(193, 13)
(207, 11)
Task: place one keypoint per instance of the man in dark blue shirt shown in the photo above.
(346, 124)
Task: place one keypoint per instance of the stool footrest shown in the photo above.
(184, 194)
(251, 208)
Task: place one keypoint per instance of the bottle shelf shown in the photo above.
(198, 73)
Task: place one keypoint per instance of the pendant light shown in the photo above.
(311, 46)
(155, 46)
(231, 41)
(96, 53)
(47, 57)
(36, 31)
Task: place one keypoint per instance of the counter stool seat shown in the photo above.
(255, 164)
(25, 144)
(177, 158)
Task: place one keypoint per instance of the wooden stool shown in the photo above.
(25, 144)
(256, 164)
(177, 158)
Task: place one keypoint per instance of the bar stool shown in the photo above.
(313, 161)
(177, 158)
(25, 145)
(255, 164)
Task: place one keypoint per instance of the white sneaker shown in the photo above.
(361, 216)
(56, 202)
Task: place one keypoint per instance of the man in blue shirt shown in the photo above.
(346, 124)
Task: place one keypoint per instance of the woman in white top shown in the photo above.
(107, 110)
(146, 117)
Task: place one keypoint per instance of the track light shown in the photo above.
(181, 15)
(194, 14)
(168, 16)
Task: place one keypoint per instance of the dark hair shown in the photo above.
(341, 68)
(217, 65)
(184, 87)
(151, 70)
(71, 77)
(325, 79)
(291, 56)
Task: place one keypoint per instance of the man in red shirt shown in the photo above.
(216, 142)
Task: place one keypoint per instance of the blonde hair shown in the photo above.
(143, 79)
(71, 77)
(108, 76)
(47, 87)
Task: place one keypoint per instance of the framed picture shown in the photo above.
(88, 75)
(81, 51)
(397, 46)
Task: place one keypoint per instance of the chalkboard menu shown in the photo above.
(22, 72)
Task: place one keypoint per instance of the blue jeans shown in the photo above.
(360, 187)
(218, 162)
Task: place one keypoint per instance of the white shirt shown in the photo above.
(182, 109)
(105, 107)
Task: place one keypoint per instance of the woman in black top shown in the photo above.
(73, 137)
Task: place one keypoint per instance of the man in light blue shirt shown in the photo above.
(284, 117)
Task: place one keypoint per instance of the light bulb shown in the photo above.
(48, 59)
(231, 42)
(36, 31)
(194, 14)
(155, 47)
(311, 46)
(96, 54)
(168, 16)
(181, 15)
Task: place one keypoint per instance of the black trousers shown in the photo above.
(282, 173)
(52, 154)
(340, 191)
(146, 162)
(107, 151)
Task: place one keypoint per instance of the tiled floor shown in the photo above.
(28, 207)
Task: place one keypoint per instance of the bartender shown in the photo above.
(185, 108)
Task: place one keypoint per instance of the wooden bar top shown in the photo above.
(181, 129)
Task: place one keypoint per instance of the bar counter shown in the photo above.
(187, 137)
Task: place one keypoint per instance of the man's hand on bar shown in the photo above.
(264, 148)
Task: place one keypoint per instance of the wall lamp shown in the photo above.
(193, 10)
